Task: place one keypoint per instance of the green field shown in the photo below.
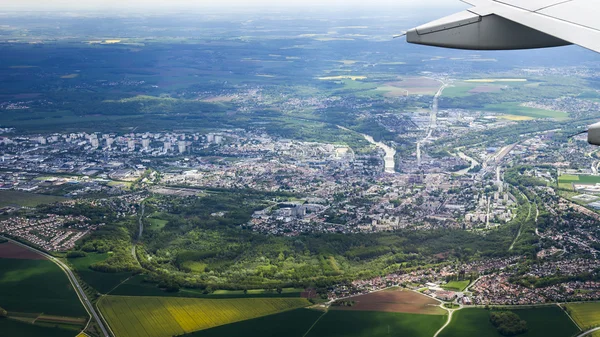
(37, 286)
(542, 322)
(156, 224)
(460, 89)
(463, 89)
(168, 316)
(516, 109)
(103, 282)
(293, 323)
(374, 324)
(136, 286)
(194, 266)
(586, 315)
(568, 178)
(456, 285)
(579, 179)
(566, 181)
(24, 199)
(10, 328)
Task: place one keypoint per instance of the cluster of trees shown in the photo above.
(186, 213)
(515, 176)
(462, 276)
(120, 260)
(360, 253)
(456, 168)
(508, 323)
(76, 254)
(343, 303)
(475, 169)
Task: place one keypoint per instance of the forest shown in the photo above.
(198, 250)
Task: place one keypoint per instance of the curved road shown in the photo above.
(585, 333)
(450, 312)
(80, 293)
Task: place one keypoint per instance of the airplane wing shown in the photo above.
(515, 24)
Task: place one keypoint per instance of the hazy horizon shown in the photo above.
(150, 5)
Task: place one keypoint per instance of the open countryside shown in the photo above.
(586, 315)
(9, 250)
(102, 282)
(376, 324)
(37, 286)
(293, 323)
(549, 321)
(10, 328)
(37, 296)
(165, 316)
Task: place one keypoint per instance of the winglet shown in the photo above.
(400, 35)
(578, 133)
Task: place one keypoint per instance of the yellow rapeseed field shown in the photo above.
(138, 316)
(516, 118)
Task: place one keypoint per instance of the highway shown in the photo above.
(80, 293)
(432, 118)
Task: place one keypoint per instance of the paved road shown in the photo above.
(80, 293)
(468, 288)
(432, 118)
(585, 333)
(450, 312)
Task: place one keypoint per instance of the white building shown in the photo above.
(182, 146)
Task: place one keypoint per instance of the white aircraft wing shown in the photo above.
(515, 24)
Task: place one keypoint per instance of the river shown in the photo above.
(390, 153)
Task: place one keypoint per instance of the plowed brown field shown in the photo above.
(9, 250)
(395, 300)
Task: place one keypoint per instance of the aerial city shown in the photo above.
(291, 171)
